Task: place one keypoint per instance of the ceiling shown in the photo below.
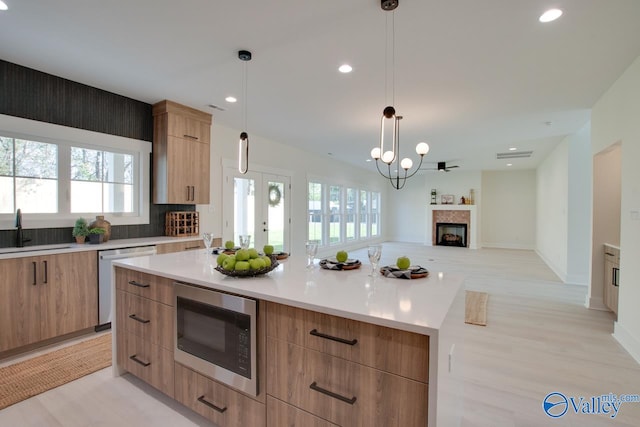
(472, 78)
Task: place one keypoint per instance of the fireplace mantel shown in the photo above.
(473, 227)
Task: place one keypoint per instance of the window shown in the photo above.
(338, 215)
(55, 174)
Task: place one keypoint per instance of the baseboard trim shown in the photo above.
(506, 246)
(595, 304)
(562, 275)
(627, 340)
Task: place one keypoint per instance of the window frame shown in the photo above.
(65, 138)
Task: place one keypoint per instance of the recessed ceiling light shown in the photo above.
(230, 99)
(369, 160)
(345, 68)
(550, 15)
(509, 164)
(3, 5)
(512, 148)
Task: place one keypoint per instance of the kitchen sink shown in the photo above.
(35, 248)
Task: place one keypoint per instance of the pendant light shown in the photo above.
(243, 143)
(391, 154)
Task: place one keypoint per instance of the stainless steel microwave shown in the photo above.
(215, 334)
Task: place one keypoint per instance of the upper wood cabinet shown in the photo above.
(181, 146)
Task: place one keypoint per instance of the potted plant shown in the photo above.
(95, 235)
(80, 230)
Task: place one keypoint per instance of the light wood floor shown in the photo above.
(539, 339)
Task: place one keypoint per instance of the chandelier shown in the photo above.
(391, 120)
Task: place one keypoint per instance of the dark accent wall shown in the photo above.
(35, 95)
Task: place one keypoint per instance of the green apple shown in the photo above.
(403, 263)
(267, 261)
(268, 249)
(242, 255)
(242, 266)
(256, 263)
(342, 256)
(221, 258)
(253, 253)
(229, 263)
(229, 244)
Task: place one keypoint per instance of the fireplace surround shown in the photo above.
(451, 234)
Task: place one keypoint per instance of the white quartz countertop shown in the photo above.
(26, 251)
(418, 305)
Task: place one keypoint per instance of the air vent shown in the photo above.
(514, 155)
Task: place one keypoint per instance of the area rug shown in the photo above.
(475, 308)
(31, 377)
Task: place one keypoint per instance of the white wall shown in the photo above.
(552, 209)
(508, 209)
(409, 217)
(615, 118)
(268, 156)
(579, 218)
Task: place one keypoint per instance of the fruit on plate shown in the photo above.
(242, 266)
(256, 263)
(229, 244)
(229, 263)
(242, 255)
(253, 253)
(221, 258)
(342, 256)
(268, 249)
(403, 263)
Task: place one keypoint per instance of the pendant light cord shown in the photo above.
(244, 94)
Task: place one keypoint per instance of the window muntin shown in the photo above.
(335, 218)
(314, 209)
(364, 214)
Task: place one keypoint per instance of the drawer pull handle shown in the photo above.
(188, 248)
(135, 359)
(138, 319)
(329, 337)
(315, 387)
(608, 253)
(201, 399)
(140, 285)
(190, 137)
(35, 278)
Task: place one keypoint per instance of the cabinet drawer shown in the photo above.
(146, 285)
(343, 392)
(216, 402)
(280, 414)
(166, 248)
(151, 363)
(150, 320)
(391, 350)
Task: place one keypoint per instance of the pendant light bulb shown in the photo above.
(422, 148)
(375, 153)
(388, 157)
(406, 163)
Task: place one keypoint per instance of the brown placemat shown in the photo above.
(31, 377)
(475, 308)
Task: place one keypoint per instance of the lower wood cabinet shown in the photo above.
(145, 318)
(47, 296)
(151, 363)
(216, 402)
(343, 392)
(611, 277)
(165, 248)
(281, 414)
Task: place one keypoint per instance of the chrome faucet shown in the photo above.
(20, 240)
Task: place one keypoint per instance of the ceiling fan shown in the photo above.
(442, 167)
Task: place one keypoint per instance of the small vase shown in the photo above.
(80, 239)
(102, 223)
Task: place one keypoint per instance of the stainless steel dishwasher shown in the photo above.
(105, 258)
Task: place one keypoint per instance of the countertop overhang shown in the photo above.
(419, 305)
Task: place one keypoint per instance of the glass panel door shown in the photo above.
(261, 209)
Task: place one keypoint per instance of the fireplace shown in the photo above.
(451, 234)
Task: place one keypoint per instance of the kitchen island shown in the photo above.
(411, 338)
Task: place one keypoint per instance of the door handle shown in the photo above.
(35, 275)
(204, 401)
(46, 272)
(265, 229)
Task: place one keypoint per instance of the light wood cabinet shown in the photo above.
(218, 403)
(144, 327)
(181, 147)
(165, 248)
(346, 372)
(47, 296)
(281, 414)
(611, 277)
